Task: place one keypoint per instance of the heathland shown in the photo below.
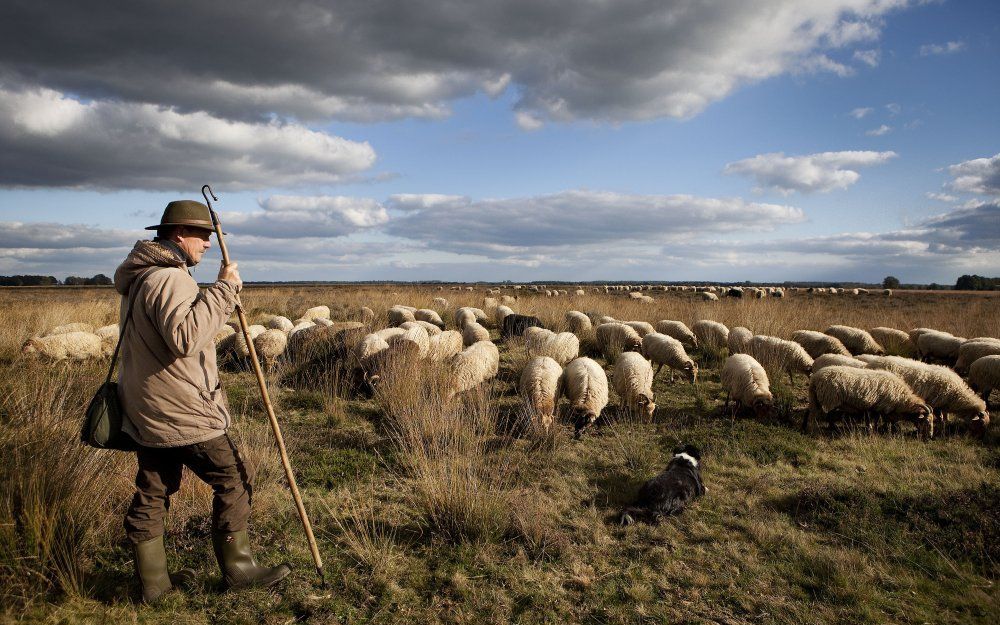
(433, 512)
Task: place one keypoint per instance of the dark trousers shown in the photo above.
(216, 462)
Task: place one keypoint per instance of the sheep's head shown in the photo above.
(31, 347)
(582, 419)
(979, 423)
(808, 369)
(635, 345)
(762, 407)
(646, 405)
(691, 369)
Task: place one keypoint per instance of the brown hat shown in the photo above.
(186, 213)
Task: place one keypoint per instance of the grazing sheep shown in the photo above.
(578, 322)
(984, 375)
(940, 387)
(398, 315)
(866, 392)
(515, 325)
(642, 327)
(562, 347)
(939, 346)
(666, 350)
(367, 351)
(471, 367)
(585, 385)
(745, 382)
(606, 319)
(500, 313)
(70, 327)
(270, 344)
(489, 303)
(887, 292)
(537, 388)
(463, 317)
(709, 297)
(678, 330)
(240, 344)
(280, 323)
(110, 332)
(224, 339)
(440, 302)
(65, 346)
(508, 299)
(739, 338)
(972, 350)
(413, 342)
(856, 340)
(432, 330)
(916, 332)
(816, 343)
(317, 312)
(366, 315)
(736, 292)
(326, 323)
(837, 360)
(429, 316)
(615, 338)
(779, 354)
(473, 333)
(895, 342)
(444, 345)
(711, 333)
(633, 381)
(302, 325)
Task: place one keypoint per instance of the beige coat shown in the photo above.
(168, 381)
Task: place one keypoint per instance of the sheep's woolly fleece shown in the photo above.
(745, 380)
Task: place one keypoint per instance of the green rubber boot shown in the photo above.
(151, 569)
(239, 570)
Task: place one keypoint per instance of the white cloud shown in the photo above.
(53, 140)
(589, 221)
(979, 175)
(936, 49)
(861, 112)
(820, 172)
(527, 121)
(878, 132)
(942, 197)
(868, 57)
(361, 60)
(294, 216)
(894, 108)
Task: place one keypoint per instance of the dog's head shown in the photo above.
(687, 453)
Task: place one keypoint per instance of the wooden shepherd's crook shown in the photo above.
(245, 326)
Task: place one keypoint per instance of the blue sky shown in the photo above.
(512, 140)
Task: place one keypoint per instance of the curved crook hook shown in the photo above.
(206, 196)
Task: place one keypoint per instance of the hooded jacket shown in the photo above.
(168, 380)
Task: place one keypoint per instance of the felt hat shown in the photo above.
(186, 213)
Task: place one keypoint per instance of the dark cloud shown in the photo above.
(50, 140)
(979, 175)
(15, 234)
(381, 59)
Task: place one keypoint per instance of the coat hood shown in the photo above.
(146, 254)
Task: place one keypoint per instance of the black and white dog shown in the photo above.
(669, 492)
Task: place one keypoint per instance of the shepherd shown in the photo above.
(173, 401)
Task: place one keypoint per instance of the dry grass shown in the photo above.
(449, 512)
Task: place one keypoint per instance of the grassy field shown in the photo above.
(449, 513)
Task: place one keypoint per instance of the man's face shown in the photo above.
(194, 241)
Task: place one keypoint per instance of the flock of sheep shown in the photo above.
(848, 369)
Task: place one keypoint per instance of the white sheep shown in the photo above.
(432, 330)
(508, 299)
(65, 346)
(678, 330)
(440, 302)
(412, 342)
(489, 303)
(398, 315)
(779, 354)
(366, 315)
(537, 388)
(585, 385)
(837, 360)
(429, 316)
(561, 347)
(974, 349)
(895, 342)
(444, 345)
(746, 383)
(110, 332)
(633, 381)
(666, 350)
(940, 387)
(615, 338)
(467, 314)
(739, 338)
(300, 326)
(280, 323)
(816, 343)
(984, 375)
(474, 332)
(856, 340)
(711, 333)
(70, 327)
(642, 327)
(606, 319)
(270, 344)
(240, 344)
(500, 313)
(940, 346)
(471, 367)
(317, 312)
(866, 392)
(709, 297)
(578, 322)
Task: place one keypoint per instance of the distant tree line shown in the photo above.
(98, 280)
(977, 283)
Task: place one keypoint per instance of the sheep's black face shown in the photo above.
(979, 423)
(762, 408)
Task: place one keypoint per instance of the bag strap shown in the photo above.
(133, 292)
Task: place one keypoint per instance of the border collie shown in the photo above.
(669, 492)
